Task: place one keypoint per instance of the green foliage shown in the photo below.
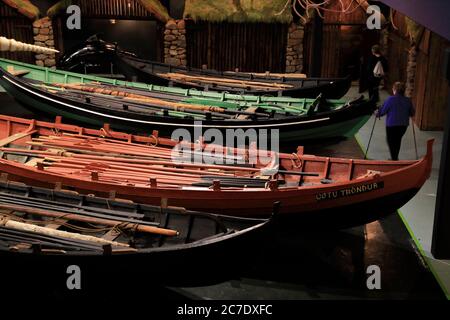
(239, 10)
(158, 10)
(25, 7)
(58, 7)
(415, 30)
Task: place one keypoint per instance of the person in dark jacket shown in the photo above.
(373, 78)
(398, 109)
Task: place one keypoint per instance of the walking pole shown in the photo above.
(414, 135)
(370, 138)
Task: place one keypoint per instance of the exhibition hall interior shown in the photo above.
(225, 150)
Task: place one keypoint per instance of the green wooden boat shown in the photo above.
(139, 107)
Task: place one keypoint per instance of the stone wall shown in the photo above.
(43, 36)
(294, 49)
(175, 43)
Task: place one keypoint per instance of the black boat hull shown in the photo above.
(97, 52)
(136, 69)
(174, 258)
(344, 122)
(200, 266)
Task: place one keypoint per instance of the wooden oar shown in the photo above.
(268, 74)
(233, 82)
(81, 218)
(146, 106)
(138, 163)
(77, 209)
(27, 239)
(122, 159)
(136, 167)
(144, 152)
(141, 98)
(28, 227)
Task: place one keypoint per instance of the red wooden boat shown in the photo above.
(115, 164)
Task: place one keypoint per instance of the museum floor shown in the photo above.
(323, 264)
(418, 213)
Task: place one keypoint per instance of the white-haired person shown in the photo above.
(398, 109)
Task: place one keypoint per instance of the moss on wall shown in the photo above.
(415, 30)
(25, 7)
(239, 10)
(58, 7)
(158, 10)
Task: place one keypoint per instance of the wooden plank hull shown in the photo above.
(344, 122)
(155, 72)
(197, 231)
(98, 51)
(353, 187)
(256, 203)
(239, 240)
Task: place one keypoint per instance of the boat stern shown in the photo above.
(424, 166)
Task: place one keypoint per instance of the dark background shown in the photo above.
(138, 36)
(132, 35)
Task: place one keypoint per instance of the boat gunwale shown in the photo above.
(196, 71)
(114, 186)
(290, 121)
(157, 88)
(216, 238)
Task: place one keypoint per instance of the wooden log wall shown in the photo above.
(344, 41)
(430, 87)
(257, 47)
(331, 51)
(16, 26)
(119, 9)
(398, 46)
(397, 57)
(356, 15)
(343, 46)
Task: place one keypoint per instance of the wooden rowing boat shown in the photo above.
(64, 223)
(43, 232)
(137, 107)
(143, 169)
(234, 82)
(97, 52)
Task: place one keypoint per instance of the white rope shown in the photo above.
(321, 7)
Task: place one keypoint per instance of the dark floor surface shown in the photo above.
(314, 265)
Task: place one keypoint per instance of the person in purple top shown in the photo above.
(398, 109)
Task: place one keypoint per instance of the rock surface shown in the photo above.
(43, 36)
(175, 43)
(294, 48)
